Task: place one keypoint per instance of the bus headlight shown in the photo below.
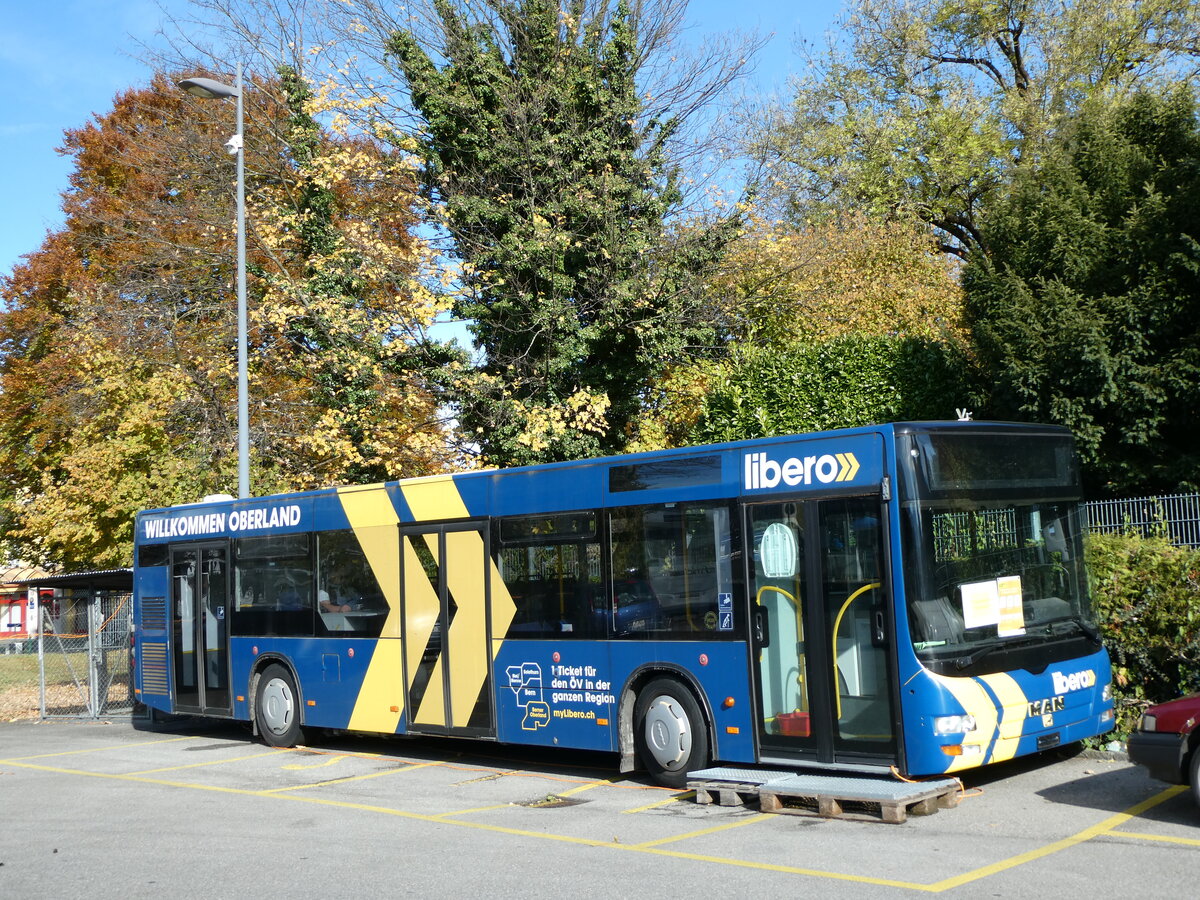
(1106, 694)
(953, 724)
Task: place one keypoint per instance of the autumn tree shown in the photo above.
(346, 298)
(1085, 312)
(118, 365)
(782, 285)
(923, 109)
(841, 323)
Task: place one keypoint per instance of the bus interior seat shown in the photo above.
(936, 620)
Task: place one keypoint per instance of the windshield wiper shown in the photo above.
(1076, 625)
(965, 662)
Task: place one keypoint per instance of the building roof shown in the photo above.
(21, 574)
(104, 579)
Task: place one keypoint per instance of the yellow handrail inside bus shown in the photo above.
(837, 624)
(801, 660)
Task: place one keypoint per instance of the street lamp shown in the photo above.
(212, 90)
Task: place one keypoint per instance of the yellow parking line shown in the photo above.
(1187, 842)
(650, 847)
(646, 845)
(686, 795)
(463, 812)
(583, 787)
(1087, 834)
(211, 762)
(364, 777)
(320, 765)
(773, 867)
(99, 749)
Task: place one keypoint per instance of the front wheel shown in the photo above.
(670, 732)
(277, 707)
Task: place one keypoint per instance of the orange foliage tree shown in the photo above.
(118, 336)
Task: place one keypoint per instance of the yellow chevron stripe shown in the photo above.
(504, 610)
(434, 498)
(1014, 708)
(374, 521)
(975, 702)
(468, 632)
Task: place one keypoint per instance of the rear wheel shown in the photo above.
(670, 732)
(277, 707)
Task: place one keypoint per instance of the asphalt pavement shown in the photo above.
(203, 810)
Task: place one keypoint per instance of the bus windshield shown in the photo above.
(993, 582)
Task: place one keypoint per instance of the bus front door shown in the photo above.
(446, 647)
(821, 639)
(200, 628)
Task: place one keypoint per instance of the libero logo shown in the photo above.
(762, 472)
(1075, 681)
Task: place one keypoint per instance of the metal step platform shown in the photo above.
(871, 797)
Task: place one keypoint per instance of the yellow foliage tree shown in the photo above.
(781, 288)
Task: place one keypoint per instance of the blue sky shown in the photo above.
(64, 60)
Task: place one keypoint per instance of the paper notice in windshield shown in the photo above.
(981, 604)
(996, 602)
(1012, 612)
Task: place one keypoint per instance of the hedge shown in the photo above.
(1147, 597)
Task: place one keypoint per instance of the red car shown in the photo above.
(1167, 742)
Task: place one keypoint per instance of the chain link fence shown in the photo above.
(74, 663)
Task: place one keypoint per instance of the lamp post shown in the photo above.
(210, 90)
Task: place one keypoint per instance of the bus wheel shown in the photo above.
(669, 728)
(277, 708)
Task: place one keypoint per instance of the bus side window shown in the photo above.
(551, 567)
(672, 571)
(273, 589)
(350, 602)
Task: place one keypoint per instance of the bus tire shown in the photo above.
(277, 707)
(670, 732)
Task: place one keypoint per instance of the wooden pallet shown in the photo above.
(726, 793)
(832, 806)
(874, 799)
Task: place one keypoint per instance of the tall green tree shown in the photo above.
(923, 108)
(1087, 310)
(558, 191)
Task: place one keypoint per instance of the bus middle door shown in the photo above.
(446, 648)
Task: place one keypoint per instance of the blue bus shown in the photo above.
(906, 597)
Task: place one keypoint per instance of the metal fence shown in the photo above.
(1175, 517)
(76, 665)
